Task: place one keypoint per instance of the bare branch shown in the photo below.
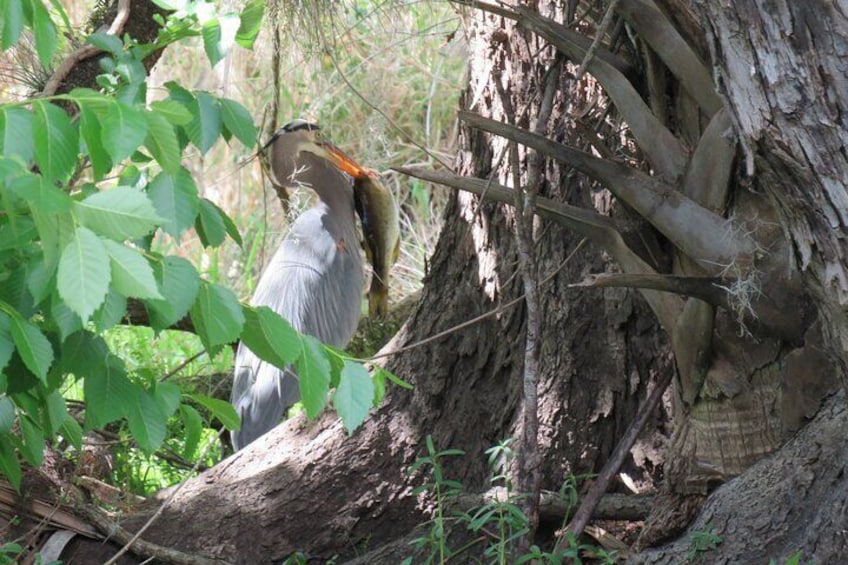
(705, 288)
(666, 41)
(699, 233)
(707, 180)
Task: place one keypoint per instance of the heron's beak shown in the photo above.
(343, 162)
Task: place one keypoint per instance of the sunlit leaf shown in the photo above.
(219, 36)
(220, 409)
(119, 213)
(193, 426)
(132, 275)
(83, 276)
(217, 315)
(176, 200)
(162, 142)
(13, 21)
(125, 131)
(45, 33)
(251, 23)
(270, 337)
(313, 372)
(56, 141)
(354, 395)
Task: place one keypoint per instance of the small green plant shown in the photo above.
(701, 541)
(443, 490)
(794, 559)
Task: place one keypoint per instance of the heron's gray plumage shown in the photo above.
(314, 280)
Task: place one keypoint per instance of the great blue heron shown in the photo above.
(315, 278)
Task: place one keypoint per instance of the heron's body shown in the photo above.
(314, 281)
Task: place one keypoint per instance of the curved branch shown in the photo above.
(664, 39)
(707, 181)
(664, 151)
(701, 234)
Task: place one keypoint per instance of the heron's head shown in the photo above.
(301, 154)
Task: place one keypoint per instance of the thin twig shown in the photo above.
(619, 454)
(602, 29)
(86, 51)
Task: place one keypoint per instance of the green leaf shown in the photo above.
(41, 195)
(109, 395)
(238, 120)
(147, 421)
(71, 431)
(120, 213)
(221, 409)
(7, 414)
(210, 225)
(9, 464)
(167, 396)
(219, 36)
(162, 142)
(35, 350)
(193, 426)
(131, 273)
(13, 21)
(126, 129)
(83, 277)
(56, 411)
(217, 315)
(56, 141)
(176, 200)
(174, 111)
(270, 336)
(92, 135)
(110, 312)
(106, 42)
(7, 344)
(313, 374)
(354, 395)
(205, 128)
(16, 125)
(45, 33)
(65, 319)
(32, 447)
(179, 283)
(251, 23)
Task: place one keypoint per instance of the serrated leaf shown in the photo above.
(167, 395)
(56, 411)
(313, 375)
(174, 111)
(16, 139)
(162, 142)
(125, 132)
(238, 120)
(176, 200)
(219, 36)
(251, 23)
(146, 421)
(72, 432)
(220, 409)
(40, 195)
(9, 464)
(193, 427)
(13, 22)
(179, 283)
(45, 33)
(83, 276)
(131, 273)
(354, 395)
(35, 349)
(120, 213)
(92, 135)
(217, 315)
(32, 446)
(65, 319)
(56, 141)
(270, 337)
(111, 312)
(109, 395)
(210, 225)
(205, 127)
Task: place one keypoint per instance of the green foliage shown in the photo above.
(83, 204)
(702, 541)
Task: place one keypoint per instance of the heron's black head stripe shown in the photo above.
(294, 125)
